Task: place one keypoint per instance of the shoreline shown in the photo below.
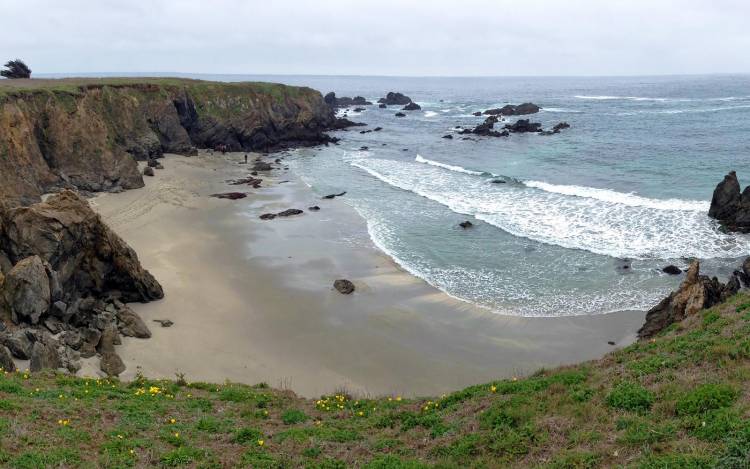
(252, 300)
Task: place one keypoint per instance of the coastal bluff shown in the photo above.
(88, 133)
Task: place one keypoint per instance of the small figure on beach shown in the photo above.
(245, 158)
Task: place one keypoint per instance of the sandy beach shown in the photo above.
(252, 301)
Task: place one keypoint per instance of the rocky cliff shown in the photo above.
(88, 134)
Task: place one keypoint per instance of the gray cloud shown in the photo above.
(385, 37)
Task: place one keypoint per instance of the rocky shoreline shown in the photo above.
(64, 282)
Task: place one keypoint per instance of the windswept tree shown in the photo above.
(16, 69)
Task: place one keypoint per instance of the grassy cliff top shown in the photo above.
(78, 85)
(680, 400)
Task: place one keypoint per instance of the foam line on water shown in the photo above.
(458, 169)
(623, 198)
(612, 224)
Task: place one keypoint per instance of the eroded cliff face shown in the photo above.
(88, 135)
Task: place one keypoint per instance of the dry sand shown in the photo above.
(252, 301)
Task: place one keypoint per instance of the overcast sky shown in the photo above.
(385, 37)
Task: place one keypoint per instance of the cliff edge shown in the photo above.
(88, 133)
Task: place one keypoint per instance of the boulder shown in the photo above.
(44, 356)
(19, 343)
(109, 338)
(477, 114)
(69, 358)
(695, 293)
(130, 324)
(331, 196)
(152, 163)
(268, 216)
(26, 290)
(111, 364)
(560, 126)
(314, 208)
(523, 125)
(466, 224)
(400, 114)
(289, 212)
(89, 259)
(148, 171)
(230, 195)
(382, 105)
(448, 136)
(394, 98)
(6, 360)
(343, 286)
(90, 341)
(411, 107)
(672, 270)
(164, 322)
(262, 166)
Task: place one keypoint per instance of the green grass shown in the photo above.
(679, 400)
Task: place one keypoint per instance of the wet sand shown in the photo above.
(252, 301)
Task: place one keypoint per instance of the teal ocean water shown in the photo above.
(628, 184)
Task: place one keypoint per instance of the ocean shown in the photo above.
(628, 184)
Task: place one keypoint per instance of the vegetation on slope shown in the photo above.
(680, 400)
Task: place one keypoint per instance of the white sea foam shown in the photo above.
(684, 111)
(617, 225)
(629, 199)
(560, 109)
(458, 169)
(621, 98)
(430, 114)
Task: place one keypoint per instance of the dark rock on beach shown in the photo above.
(148, 171)
(230, 195)
(290, 212)
(394, 98)
(332, 196)
(448, 136)
(268, 216)
(466, 224)
(343, 286)
(411, 107)
(164, 322)
(400, 114)
(314, 208)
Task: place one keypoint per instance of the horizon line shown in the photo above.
(173, 73)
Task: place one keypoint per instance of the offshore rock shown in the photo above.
(730, 207)
(695, 293)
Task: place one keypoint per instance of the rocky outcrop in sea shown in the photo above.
(730, 206)
(395, 98)
(336, 102)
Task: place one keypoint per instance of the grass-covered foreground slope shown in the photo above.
(680, 400)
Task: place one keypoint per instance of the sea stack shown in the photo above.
(730, 206)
